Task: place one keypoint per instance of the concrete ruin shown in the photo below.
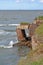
(21, 33)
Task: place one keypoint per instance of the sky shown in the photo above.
(21, 4)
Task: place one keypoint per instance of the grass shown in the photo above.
(39, 17)
(38, 62)
(32, 63)
(24, 23)
(33, 58)
(39, 30)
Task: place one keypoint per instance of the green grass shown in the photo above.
(24, 23)
(27, 62)
(33, 58)
(39, 17)
(39, 30)
(37, 62)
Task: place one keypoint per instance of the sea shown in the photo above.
(9, 19)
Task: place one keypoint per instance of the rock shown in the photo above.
(34, 43)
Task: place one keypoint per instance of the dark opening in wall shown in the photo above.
(23, 32)
(26, 34)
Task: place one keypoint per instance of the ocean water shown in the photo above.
(8, 35)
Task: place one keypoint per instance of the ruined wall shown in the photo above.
(32, 29)
(20, 34)
(35, 43)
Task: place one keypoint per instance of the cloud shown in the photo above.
(17, 1)
(24, 0)
(41, 1)
(32, 0)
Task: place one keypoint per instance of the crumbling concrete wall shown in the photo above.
(32, 29)
(20, 34)
(35, 43)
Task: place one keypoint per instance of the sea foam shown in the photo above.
(10, 45)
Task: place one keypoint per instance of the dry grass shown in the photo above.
(33, 58)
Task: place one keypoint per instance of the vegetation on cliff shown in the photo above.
(35, 57)
(39, 17)
(39, 30)
(24, 23)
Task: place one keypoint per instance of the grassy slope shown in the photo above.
(39, 30)
(31, 63)
(34, 57)
(40, 17)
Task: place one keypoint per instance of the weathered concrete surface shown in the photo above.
(38, 22)
(34, 43)
(23, 26)
(32, 29)
(20, 34)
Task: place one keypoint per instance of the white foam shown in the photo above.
(9, 25)
(9, 46)
(13, 24)
(4, 32)
(3, 25)
(3, 46)
(11, 43)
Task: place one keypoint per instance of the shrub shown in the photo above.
(24, 23)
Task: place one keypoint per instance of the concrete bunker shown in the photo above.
(23, 33)
(26, 34)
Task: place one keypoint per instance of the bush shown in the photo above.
(39, 17)
(24, 23)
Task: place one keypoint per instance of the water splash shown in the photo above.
(9, 25)
(10, 45)
(3, 46)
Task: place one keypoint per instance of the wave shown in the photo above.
(4, 32)
(3, 46)
(7, 31)
(10, 45)
(13, 24)
(9, 25)
(8, 19)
